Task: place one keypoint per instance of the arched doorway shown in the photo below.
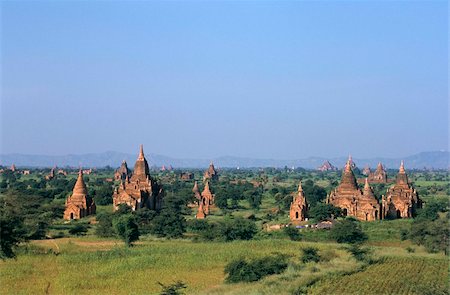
(367, 216)
(399, 215)
(296, 215)
(344, 212)
(376, 214)
(71, 215)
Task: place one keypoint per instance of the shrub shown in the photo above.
(78, 229)
(237, 229)
(410, 250)
(360, 254)
(104, 226)
(126, 228)
(348, 231)
(404, 234)
(172, 289)
(241, 270)
(310, 254)
(323, 211)
(292, 233)
(433, 235)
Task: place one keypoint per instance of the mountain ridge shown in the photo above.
(429, 160)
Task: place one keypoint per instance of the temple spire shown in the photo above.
(141, 152)
(366, 184)
(300, 188)
(402, 167)
(348, 165)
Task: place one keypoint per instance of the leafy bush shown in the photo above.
(126, 228)
(229, 229)
(360, 254)
(293, 233)
(310, 254)
(241, 270)
(79, 229)
(104, 226)
(348, 231)
(433, 235)
(410, 250)
(323, 211)
(172, 289)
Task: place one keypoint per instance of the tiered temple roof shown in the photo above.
(211, 173)
(79, 204)
(352, 200)
(140, 190)
(206, 201)
(401, 199)
(299, 206)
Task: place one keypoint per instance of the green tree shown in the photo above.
(126, 228)
(104, 226)
(170, 222)
(310, 254)
(323, 211)
(432, 234)
(293, 233)
(11, 232)
(79, 229)
(348, 231)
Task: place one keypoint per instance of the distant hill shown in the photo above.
(429, 160)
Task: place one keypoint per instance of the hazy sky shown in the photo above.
(245, 78)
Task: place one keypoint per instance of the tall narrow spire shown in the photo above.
(348, 166)
(141, 152)
(80, 186)
(402, 167)
(366, 184)
(300, 188)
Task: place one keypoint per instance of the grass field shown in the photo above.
(404, 275)
(89, 265)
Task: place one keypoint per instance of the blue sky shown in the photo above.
(243, 78)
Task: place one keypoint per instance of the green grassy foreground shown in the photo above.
(89, 265)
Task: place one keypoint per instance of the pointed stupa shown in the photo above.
(206, 189)
(402, 178)
(380, 167)
(368, 192)
(141, 166)
(300, 188)
(200, 214)
(348, 180)
(80, 187)
(195, 188)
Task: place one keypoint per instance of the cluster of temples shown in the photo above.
(137, 189)
(140, 190)
(401, 199)
(205, 200)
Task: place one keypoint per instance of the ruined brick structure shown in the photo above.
(401, 200)
(366, 171)
(211, 173)
(79, 204)
(196, 192)
(205, 202)
(140, 190)
(353, 201)
(379, 176)
(299, 206)
(186, 176)
(327, 166)
(123, 172)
